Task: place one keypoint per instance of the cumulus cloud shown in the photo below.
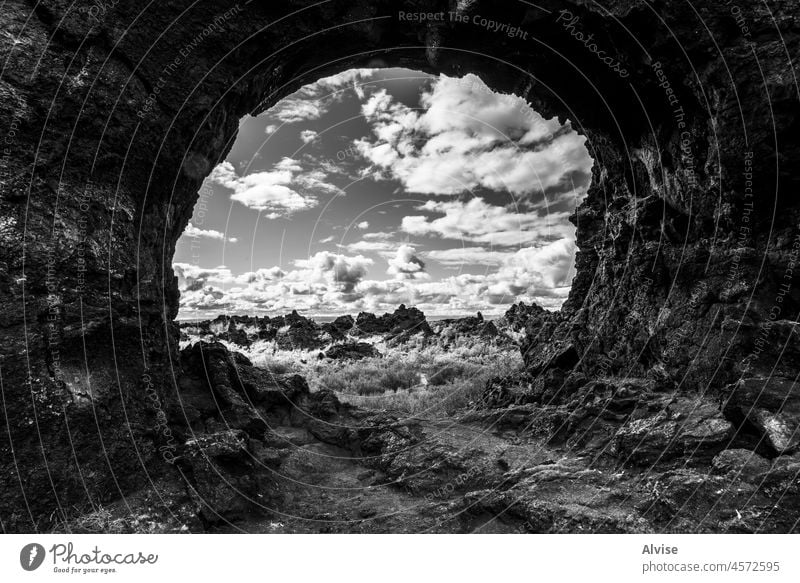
(406, 265)
(339, 271)
(275, 191)
(323, 280)
(381, 236)
(312, 101)
(198, 233)
(469, 137)
(308, 136)
(337, 283)
(478, 221)
(467, 148)
(467, 256)
(542, 271)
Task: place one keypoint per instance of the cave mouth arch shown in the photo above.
(462, 192)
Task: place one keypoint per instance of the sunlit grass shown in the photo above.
(420, 377)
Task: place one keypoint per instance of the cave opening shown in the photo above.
(433, 200)
(379, 187)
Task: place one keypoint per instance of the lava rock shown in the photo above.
(692, 429)
(770, 406)
(741, 463)
(221, 475)
(352, 351)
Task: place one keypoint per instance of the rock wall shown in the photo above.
(113, 113)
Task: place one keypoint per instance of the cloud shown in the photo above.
(469, 137)
(480, 222)
(198, 233)
(312, 101)
(382, 236)
(308, 136)
(339, 271)
(461, 256)
(467, 148)
(333, 283)
(406, 265)
(276, 191)
(365, 246)
(542, 271)
(324, 280)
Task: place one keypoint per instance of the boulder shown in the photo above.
(352, 351)
(299, 333)
(740, 463)
(768, 405)
(210, 371)
(691, 429)
(339, 328)
(220, 472)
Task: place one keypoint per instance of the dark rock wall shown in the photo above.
(113, 113)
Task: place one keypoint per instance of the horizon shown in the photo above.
(376, 187)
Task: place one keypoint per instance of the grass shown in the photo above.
(419, 378)
(103, 520)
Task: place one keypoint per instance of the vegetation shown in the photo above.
(418, 377)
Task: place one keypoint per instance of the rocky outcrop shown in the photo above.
(338, 329)
(691, 430)
(397, 326)
(768, 406)
(299, 333)
(449, 331)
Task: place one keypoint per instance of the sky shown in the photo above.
(376, 187)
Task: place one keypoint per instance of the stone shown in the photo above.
(220, 472)
(741, 463)
(352, 351)
(692, 429)
(770, 406)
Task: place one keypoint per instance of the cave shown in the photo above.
(113, 114)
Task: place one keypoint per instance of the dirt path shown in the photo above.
(456, 478)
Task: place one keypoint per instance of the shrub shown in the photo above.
(420, 377)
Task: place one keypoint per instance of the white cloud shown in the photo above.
(323, 280)
(469, 137)
(468, 256)
(308, 136)
(339, 271)
(196, 232)
(406, 265)
(480, 222)
(333, 283)
(366, 246)
(381, 236)
(534, 271)
(274, 192)
(312, 101)
(464, 137)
